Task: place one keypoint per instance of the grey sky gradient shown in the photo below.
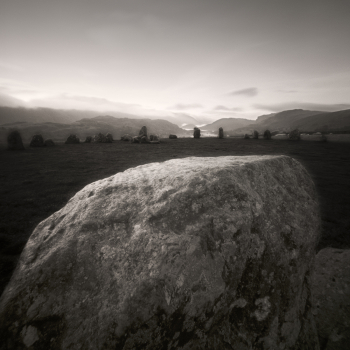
(161, 53)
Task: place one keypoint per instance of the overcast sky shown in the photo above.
(221, 58)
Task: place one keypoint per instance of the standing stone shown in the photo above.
(109, 138)
(267, 135)
(126, 137)
(221, 133)
(331, 292)
(294, 135)
(154, 138)
(194, 253)
(135, 139)
(99, 138)
(49, 143)
(171, 136)
(196, 133)
(14, 141)
(88, 139)
(246, 136)
(143, 132)
(72, 139)
(37, 141)
(255, 135)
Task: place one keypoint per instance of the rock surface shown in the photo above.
(171, 136)
(221, 133)
(331, 292)
(194, 253)
(37, 141)
(14, 141)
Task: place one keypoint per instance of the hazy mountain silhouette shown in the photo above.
(227, 124)
(304, 120)
(9, 101)
(91, 126)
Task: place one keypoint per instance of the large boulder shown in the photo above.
(196, 133)
(194, 253)
(37, 141)
(331, 292)
(221, 133)
(72, 139)
(14, 141)
(171, 136)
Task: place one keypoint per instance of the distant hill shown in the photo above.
(13, 110)
(227, 124)
(91, 126)
(42, 115)
(9, 101)
(325, 122)
(284, 121)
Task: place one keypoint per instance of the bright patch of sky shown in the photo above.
(209, 59)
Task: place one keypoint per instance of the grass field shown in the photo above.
(38, 181)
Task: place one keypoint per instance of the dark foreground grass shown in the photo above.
(36, 182)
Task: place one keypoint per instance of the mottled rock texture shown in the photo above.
(37, 141)
(331, 292)
(221, 133)
(194, 253)
(14, 141)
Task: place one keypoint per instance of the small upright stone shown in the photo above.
(109, 138)
(126, 137)
(99, 138)
(14, 141)
(37, 141)
(294, 135)
(255, 135)
(196, 133)
(171, 136)
(143, 132)
(72, 139)
(88, 139)
(221, 133)
(246, 136)
(267, 135)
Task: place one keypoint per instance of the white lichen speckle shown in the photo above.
(263, 309)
